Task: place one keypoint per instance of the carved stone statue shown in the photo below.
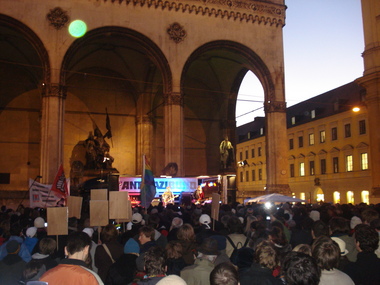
(227, 155)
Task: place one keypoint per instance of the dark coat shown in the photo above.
(258, 275)
(366, 270)
(174, 266)
(122, 271)
(102, 260)
(11, 268)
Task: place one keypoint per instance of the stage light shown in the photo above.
(356, 109)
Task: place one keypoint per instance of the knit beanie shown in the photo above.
(131, 246)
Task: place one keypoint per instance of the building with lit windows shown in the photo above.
(327, 149)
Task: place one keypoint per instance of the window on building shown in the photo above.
(349, 163)
(334, 134)
(336, 197)
(312, 167)
(260, 174)
(322, 136)
(241, 155)
(291, 144)
(350, 197)
(293, 120)
(261, 131)
(303, 196)
(312, 114)
(364, 160)
(347, 130)
(246, 176)
(365, 197)
(302, 168)
(362, 129)
(253, 153)
(246, 154)
(300, 141)
(259, 151)
(335, 164)
(253, 175)
(241, 176)
(292, 170)
(323, 166)
(311, 139)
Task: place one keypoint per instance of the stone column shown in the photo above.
(144, 127)
(173, 128)
(276, 147)
(371, 82)
(53, 96)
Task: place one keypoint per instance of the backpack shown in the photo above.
(235, 253)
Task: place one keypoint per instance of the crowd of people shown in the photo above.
(247, 245)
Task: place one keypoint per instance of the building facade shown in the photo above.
(165, 73)
(328, 149)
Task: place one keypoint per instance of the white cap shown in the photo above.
(88, 231)
(342, 246)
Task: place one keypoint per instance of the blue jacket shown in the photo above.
(23, 253)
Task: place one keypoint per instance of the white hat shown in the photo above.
(172, 280)
(315, 215)
(31, 232)
(39, 222)
(342, 246)
(136, 218)
(205, 219)
(355, 221)
(241, 219)
(88, 231)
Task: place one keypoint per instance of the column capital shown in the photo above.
(274, 106)
(54, 90)
(173, 98)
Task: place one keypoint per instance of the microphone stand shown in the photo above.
(30, 187)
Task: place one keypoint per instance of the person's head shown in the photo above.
(224, 274)
(78, 245)
(154, 261)
(339, 225)
(304, 248)
(109, 233)
(186, 233)
(319, 228)
(176, 223)
(146, 234)
(300, 269)
(368, 215)
(47, 246)
(266, 255)
(326, 252)
(366, 237)
(173, 249)
(234, 225)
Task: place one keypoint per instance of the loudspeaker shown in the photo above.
(186, 198)
(113, 182)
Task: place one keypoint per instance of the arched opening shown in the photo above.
(365, 196)
(319, 195)
(336, 197)
(350, 197)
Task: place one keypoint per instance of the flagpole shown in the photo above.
(142, 185)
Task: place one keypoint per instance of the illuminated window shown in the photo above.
(349, 163)
(320, 195)
(293, 120)
(364, 160)
(365, 197)
(350, 197)
(312, 114)
(261, 131)
(302, 169)
(336, 197)
(322, 136)
(311, 139)
(302, 196)
(335, 164)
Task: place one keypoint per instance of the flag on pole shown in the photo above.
(59, 186)
(147, 188)
(108, 134)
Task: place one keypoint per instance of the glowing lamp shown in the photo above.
(77, 28)
(356, 109)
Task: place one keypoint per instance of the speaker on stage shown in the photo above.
(186, 198)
